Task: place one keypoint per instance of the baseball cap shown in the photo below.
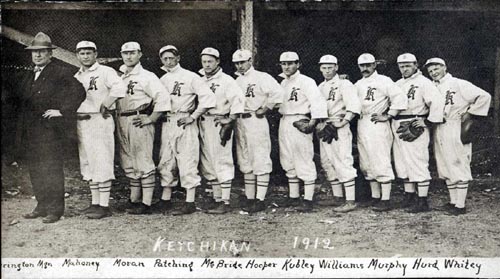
(406, 57)
(167, 48)
(366, 58)
(435, 60)
(130, 46)
(328, 59)
(86, 44)
(241, 55)
(210, 51)
(288, 56)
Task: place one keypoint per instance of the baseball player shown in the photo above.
(425, 109)
(336, 157)
(452, 148)
(303, 105)
(95, 127)
(135, 129)
(253, 142)
(216, 126)
(381, 100)
(180, 148)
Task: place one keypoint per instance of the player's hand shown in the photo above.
(320, 126)
(419, 122)
(260, 113)
(378, 117)
(222, 121)
(104, 111)
(141, 121)
(185, 121)
(340, 123)
(51, 113)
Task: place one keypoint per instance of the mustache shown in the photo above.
(365, 72)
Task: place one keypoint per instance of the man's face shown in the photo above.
(243, 66)
(41, 57)
(367, 69)
(87, 56)
(131, 58)
(169, 59)
(436, 71)
(328, 70)
(289, 67)
(407, 69)
(209, 63)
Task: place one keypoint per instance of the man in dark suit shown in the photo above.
(50, 97)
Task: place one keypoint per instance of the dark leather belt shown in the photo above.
(245, 115)
(83, 116)
(408, 116)
(213, 115)
(130, 113)
(308, 115)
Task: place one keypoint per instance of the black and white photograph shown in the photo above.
(250, 139)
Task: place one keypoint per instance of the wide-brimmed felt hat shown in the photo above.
(41, 41)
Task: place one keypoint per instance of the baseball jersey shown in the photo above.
(379, 94)
(341, 96)
(229, 97)
(143, 87)
(462, 96)
(423, 97)
(100, 82)
(260, 88)
(184, 87)
(302, 96)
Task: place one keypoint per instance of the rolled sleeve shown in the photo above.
(235, 97)
(318, 103)
(435, 103)
(273, 89)
(398, 98)
(159, 94)
(350, 97)
(206, 98)
(478, 98)
(115, 84)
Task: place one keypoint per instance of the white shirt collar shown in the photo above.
(137, 68)
(249, 71)
(291, 77)
(173, 70)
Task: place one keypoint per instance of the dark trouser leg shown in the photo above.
(37, 183)
(55, 189)
(48, 185)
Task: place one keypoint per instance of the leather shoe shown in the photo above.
(51, 218)
(186, 208)
(34, 214)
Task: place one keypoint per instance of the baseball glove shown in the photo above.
(408, 132)
(328, 133)
(303, 126)
(466, 130)
(225, 132)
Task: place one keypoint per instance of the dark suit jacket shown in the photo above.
(55, 88)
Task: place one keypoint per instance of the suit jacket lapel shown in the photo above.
(40, 82)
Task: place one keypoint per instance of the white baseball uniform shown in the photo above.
(378, 94)
(253, 142)
(336, 157)
(136, 149)
(180, 148)
(217, 160)
(302, 97)
(411, 159)
(96, 135)
(452, 156)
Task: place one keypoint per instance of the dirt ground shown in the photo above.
(273, 233)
